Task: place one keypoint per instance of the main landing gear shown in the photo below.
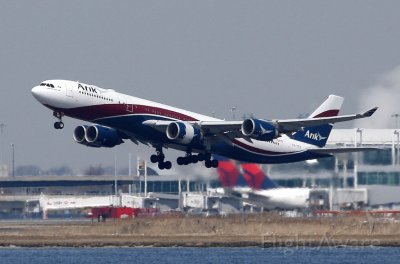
(59, 124)
(159, 157)
(189, 158)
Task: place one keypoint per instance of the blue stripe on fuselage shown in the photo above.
(134, 124)
(238, 153)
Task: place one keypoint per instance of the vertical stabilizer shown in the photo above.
(228, 173)
(256, 178)
(247, 175)
(318, 135)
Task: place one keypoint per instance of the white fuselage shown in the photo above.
(270, 199)
(127, 114)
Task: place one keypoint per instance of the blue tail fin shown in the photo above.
(316, 135)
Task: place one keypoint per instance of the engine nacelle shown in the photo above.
(79, 134)
(184, 133)
(97, 136)
(259, 129)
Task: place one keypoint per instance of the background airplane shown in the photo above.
(252, 185)
(118, 117)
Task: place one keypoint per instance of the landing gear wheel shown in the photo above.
(167, 165)
(154, 158)
(189, 158)
(160, 158)
(186, 161)
(201, 157)
(58, 125)
(214, 163)
(208, 163)
(194, 159)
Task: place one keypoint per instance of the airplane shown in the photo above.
(117, 117)
(251, 185)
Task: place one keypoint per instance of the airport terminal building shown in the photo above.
(368, 179)
(377, 171)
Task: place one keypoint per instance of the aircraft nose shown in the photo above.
(37, 92)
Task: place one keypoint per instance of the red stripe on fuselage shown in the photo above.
(94, 112)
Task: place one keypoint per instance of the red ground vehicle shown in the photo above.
(102, 213)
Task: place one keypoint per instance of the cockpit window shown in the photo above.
(47, 84)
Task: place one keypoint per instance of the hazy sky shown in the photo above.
(275, 59)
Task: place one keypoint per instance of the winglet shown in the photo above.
(370, 112)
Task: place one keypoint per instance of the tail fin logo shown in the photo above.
(314, 136)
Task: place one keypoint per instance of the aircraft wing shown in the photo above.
(233, 128)
(222, 127)
(160, 125)
(328, 150)
(209, 127)
(293, 125)
(283, 125)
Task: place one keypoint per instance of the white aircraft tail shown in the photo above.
(330, 107)
(318, 135)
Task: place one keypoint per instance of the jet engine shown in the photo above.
(259, 129)
(79, 134)
(183, 133)
(97, 136)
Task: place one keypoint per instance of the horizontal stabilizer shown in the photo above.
(341, 150)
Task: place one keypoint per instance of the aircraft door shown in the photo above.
(69, 89)
(129, 106)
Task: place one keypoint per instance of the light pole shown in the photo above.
(13, 160)
(2, 126)
(233, 110)
(115, 174)
(396, 116)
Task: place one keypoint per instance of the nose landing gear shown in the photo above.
(59, 124)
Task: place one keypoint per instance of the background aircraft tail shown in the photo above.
(228, 173)
(318, 135)
(256, 178)
(251, 175)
